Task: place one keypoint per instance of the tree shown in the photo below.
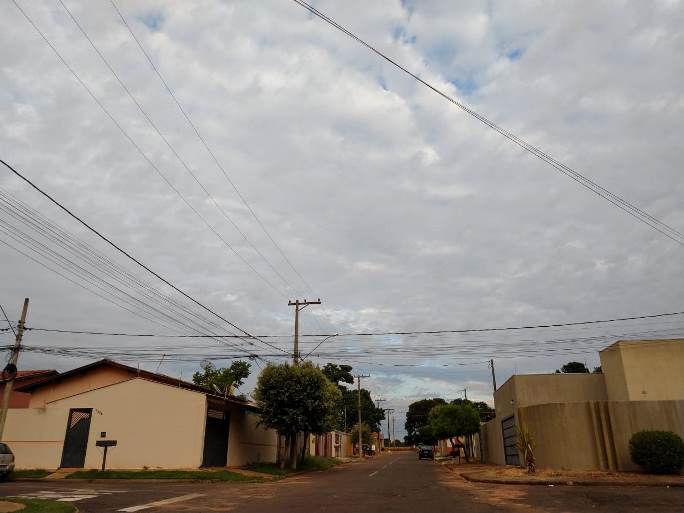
(454, 420)
(417, 416)
(365, 434)
(222, 379)
(296, 398)
(370, 414)
(486, 412)
(573, 368)
(338, 374)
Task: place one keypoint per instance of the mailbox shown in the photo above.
(106, 444)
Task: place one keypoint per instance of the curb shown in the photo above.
(568, 482)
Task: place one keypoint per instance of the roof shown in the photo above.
(647, 342)
(135, 372)
(33, 374)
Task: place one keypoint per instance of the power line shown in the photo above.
(142, 153)
(616, 200)
(180, 159)
(208, 148)
(132, 258)
(8, 322)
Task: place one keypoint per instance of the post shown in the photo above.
(11, 368)
(358, 380)
(389, 433)
(491, 365)
(392, 426)
(104, 458)
(299, 306)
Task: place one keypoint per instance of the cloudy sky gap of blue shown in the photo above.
(402, 212)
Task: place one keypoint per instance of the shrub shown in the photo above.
(657, 452)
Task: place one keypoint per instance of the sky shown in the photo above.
(393, 206)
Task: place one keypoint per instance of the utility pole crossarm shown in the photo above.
(299, 306)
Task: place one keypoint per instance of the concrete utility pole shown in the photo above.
(392, 426)
(10, 370)
(358, 381)
(491, 366)
(378, 401)
(389, 433)
(299, 306)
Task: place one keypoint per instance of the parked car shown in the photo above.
(6, 460)
(425, 451)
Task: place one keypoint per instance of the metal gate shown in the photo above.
(76, 438)
(510, 440)
(216, 439)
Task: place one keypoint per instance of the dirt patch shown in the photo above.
(8, 507)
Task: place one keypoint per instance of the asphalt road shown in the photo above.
(391, 483)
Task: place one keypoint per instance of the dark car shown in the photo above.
(425, 451)
(6, 461)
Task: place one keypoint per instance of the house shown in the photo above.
(157, 421)
(585, 421)
(21, 399)
(335, 444)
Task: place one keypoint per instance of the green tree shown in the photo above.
(222, 380)
(417, 416)
(370, 413)
(365, 434)
(338, 374)
(573, 368)
(296, 398)
(454, 420)
(486, 412)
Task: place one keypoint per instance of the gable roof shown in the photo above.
(37, 374)
(134, 372)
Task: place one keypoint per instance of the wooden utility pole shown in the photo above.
(299, 306)
(358, 381)
(10, 370)
(491, 366)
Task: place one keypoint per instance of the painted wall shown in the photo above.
(156, 425)
(640, 370)
(247, 441)
(90, 380)
(492, 442)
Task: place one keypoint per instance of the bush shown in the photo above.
(657, 452)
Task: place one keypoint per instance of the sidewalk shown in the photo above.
(481, 473)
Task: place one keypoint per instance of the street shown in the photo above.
(392, 483)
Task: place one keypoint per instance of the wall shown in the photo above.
(247, 441)
(595, 435)
(156, 425)
(492, 442)
(76, 384)
(640, 370)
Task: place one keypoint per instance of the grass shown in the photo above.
(29, 473)
(310, 463)
(197, 475)
(42, 506)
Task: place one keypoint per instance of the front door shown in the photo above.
(216, 439)
(76, 439)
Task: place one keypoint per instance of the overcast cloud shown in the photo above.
(402, 212)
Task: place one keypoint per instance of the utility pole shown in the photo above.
(491, 366)
(389, 433)
(378, 401)
(10, 370)
(392, 426)
(358, 381)
(299, 306)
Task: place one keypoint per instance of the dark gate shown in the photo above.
(76, 438)
(216, 439)
(510, 440)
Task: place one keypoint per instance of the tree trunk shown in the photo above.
(293, 451)
(305, 446)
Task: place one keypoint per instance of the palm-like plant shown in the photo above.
(526, 446)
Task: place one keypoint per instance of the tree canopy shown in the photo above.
(573, 368)
(338, 374)
(365, 434)
(222, 379)
(416, 417)
(370, 414)
(486, 412)
(453, 420)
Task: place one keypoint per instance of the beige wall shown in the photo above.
(247, 441)
(642, 370)
(492, 442)
(89, 380)
(156, 425)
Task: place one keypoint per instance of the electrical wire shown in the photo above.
(8, 322)
(616, 200)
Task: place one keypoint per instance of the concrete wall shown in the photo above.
(491, 437)
(247, 441)
(644, 370)
(156, 425)
(595, 434)
(76, 384)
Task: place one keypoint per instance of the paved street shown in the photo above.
(394, 483)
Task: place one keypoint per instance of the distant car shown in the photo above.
(6, 460)
(425, 451)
